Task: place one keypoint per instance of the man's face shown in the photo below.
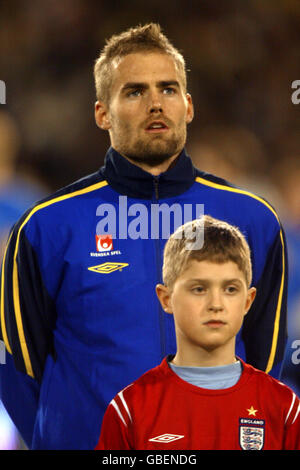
(148, 110)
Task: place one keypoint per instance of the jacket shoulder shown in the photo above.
(246, 197)
(80, 187)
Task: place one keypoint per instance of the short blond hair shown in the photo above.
(147, 38)
(222, 242)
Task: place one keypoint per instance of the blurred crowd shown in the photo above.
(242, 57)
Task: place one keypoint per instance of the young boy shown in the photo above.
(204, 397)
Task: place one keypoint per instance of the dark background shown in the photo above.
(242, 58)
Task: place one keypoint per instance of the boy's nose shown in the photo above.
(215, 302)
(215, 308)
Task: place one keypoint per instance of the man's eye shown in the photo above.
(169, 91)
(134, 93)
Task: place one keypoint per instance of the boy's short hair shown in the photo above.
(147, 38)
(222, 242)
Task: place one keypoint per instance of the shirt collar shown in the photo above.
(130, 180)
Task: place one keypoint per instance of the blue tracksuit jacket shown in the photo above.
(79, 314)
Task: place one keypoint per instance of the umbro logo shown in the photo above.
(107, 268)
(166, 438)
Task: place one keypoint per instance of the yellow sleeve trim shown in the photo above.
(278, 311)
(16, 294)
(236, 190)
(3, 326)
(279, 303)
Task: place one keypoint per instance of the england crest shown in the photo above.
(252, 434)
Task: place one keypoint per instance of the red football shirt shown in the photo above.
(160, 411)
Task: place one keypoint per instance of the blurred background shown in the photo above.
(242, 57)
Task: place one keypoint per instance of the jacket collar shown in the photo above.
(130, 180)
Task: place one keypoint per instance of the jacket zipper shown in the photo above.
(156, 181)
(158, 269)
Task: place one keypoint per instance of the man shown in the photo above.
(77, 306)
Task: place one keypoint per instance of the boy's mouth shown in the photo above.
(214, 323)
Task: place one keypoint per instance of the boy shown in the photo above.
(204, 397)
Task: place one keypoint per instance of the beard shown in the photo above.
(151, 150)
(153, 153)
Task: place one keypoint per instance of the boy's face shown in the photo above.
(209, 302)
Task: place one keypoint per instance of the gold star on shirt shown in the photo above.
(252, 411)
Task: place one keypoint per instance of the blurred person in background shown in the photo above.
(237, 155)
(286, 176)
(78, 329)
(17, 193)
(18, 189)
(9, 435)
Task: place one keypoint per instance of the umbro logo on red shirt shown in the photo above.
(166, 438)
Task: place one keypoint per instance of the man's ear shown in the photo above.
(250, 299)
(102, 115)
(164, 296)
(190, 109)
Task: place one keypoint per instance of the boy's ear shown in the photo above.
(164, 297)
(102, 115)
(250, 299)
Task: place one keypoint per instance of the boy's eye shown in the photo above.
(198, 290)
(231, 289)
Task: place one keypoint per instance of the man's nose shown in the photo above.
(155, 103)
(156, 108)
